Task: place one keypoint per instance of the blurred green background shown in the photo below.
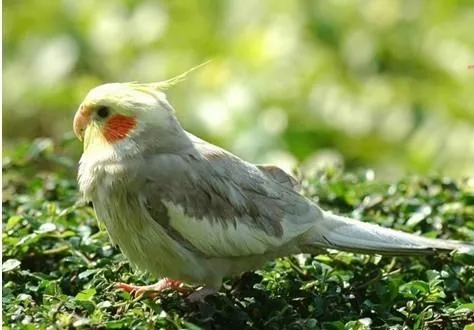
(376, 83)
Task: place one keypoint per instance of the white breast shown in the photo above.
(141, 239)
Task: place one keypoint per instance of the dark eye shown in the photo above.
(103, 111)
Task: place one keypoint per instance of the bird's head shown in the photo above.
(119, 114)
(112, 113)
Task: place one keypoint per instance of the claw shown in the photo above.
(153, 290)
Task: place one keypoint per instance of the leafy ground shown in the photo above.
(59, 267)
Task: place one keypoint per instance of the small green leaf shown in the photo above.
(11, 264)
(86, 295)
(465, 257)
(28, 239)
(104, 304)
(190, 326)
(421, 213)
(81, 322)
(12, 222)
(466, 307)
(87, 273)
(46, 228)
(116, 324)
(414, 289)
(335, 325)
(362, 324)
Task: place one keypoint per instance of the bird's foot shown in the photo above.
(200, 295)
(153, 290)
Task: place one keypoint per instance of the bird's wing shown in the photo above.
(220, 206)
(276, 173)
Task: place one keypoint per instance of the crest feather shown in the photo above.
(167, 84)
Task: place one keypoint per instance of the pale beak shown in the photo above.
(81, 120)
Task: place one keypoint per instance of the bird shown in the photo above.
(190, 212)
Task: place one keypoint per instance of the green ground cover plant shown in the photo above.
(59, 266)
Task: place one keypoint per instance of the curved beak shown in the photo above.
(81, 120)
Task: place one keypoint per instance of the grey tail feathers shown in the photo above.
(341, 233)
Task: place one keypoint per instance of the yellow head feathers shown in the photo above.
(125, 101)
(167, 84)
(122, 96)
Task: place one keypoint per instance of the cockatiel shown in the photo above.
(188, 211)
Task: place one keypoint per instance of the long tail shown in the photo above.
(341, 233)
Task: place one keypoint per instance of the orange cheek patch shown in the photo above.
(118, 127)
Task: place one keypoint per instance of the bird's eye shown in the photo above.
(103, 111)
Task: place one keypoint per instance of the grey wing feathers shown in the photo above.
(227, 196)
(280, 176)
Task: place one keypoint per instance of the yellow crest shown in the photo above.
(166, 84)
